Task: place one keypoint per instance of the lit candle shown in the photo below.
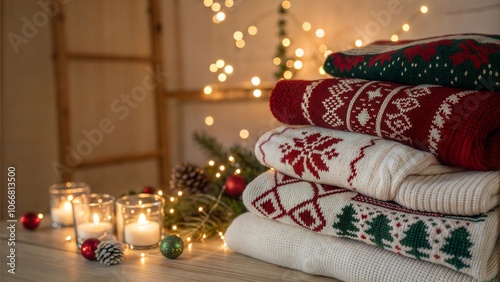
(96, 229)
(142, 233)
(63, 214)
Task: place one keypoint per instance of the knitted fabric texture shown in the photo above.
(465, 244)
(344, 259)
(467, 61)
(460, 127)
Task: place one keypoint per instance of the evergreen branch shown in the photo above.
(210, 146)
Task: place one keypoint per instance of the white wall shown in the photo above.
(29, 131)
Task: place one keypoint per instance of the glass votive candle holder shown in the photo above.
(94, 217)
(61, 195)
(139, 220)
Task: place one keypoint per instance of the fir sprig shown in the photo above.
(217, 209)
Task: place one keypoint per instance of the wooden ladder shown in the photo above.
(62, 56)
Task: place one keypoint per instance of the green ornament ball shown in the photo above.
(171, 246)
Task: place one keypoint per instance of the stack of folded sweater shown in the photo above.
(372, 180)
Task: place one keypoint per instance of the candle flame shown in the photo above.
(96, 219)
(67, 206)
(142, 220)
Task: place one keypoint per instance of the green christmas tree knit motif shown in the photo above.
(458, 245)
(417, 238)
(380, 230)
(345, 224)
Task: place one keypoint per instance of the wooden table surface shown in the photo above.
(45, 255)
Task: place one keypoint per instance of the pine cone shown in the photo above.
(188, 178)
(109, 252)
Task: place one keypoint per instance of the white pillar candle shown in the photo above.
(96, 229)
(142, 233)
(63, 214)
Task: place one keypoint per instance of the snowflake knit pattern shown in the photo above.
(460, 127)
(347, 260)
(467, 61)
(465, 244)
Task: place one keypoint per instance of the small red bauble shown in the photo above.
(30, 221)
(235, 184)
(88, 248)
(148, 190)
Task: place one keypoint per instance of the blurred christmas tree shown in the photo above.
(202, 202)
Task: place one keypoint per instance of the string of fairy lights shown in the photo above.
(288, 62)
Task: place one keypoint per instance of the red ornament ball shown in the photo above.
(30, 220)
(235, 185)
(88, 248)
(148, 190)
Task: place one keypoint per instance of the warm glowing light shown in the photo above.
(204, 236)
(240, 43)
(306, 26)
(143, 255)
(222, 77)
(40, 216)
(237, 171)
(327, 52)
(257, 93)
(320, 33)
(160, 192)
(276, 61)
(394, 38)
(286, 4)
(229, 3)
(222, 237)
(200, 209)
(220, 233)
(286, 42)
(208, 3)
(289, 63)
(406, 27)
(207, 90)
(222, 168)
(220, 16)
(244, 134)
(142, 220)
(424, 9)
(171, 210)
(220, 63)
(322, 48)
(209, 120)
(211, 163)
(172, 199)
(231, 158)
(96, 219)
(68, 238)
(70, 198)
(188, 239)
(213, 68)
(216, 7)
(287, 74)
(322, 70)
(179, 193)
(358, 43)
(238, 35)
(299, 52)
(298, 64)
(255, 80)
(229, 69)
(174, 227)
(252, 30)
(217, 175)
(215, 19)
